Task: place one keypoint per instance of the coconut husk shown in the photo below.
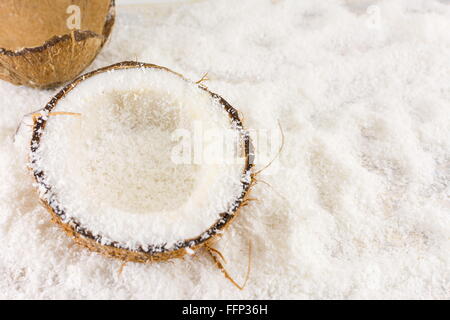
(152, 252)
(38, 49)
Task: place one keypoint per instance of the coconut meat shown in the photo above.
(144, 161)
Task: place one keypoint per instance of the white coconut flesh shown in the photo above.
(114, 167)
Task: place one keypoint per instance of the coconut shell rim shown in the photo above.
(157, 252)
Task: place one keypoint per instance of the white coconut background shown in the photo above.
(360, 204)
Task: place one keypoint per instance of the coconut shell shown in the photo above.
(152, 252)
(38, 49)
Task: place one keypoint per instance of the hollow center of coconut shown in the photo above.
(147, 158)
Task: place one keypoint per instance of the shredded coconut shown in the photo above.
(360, 204)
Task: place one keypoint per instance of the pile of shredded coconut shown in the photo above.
(357, 206)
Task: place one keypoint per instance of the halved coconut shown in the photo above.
(46, 43)
(105, 154)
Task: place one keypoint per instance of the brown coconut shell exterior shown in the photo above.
(85, 238)
(36, 47)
